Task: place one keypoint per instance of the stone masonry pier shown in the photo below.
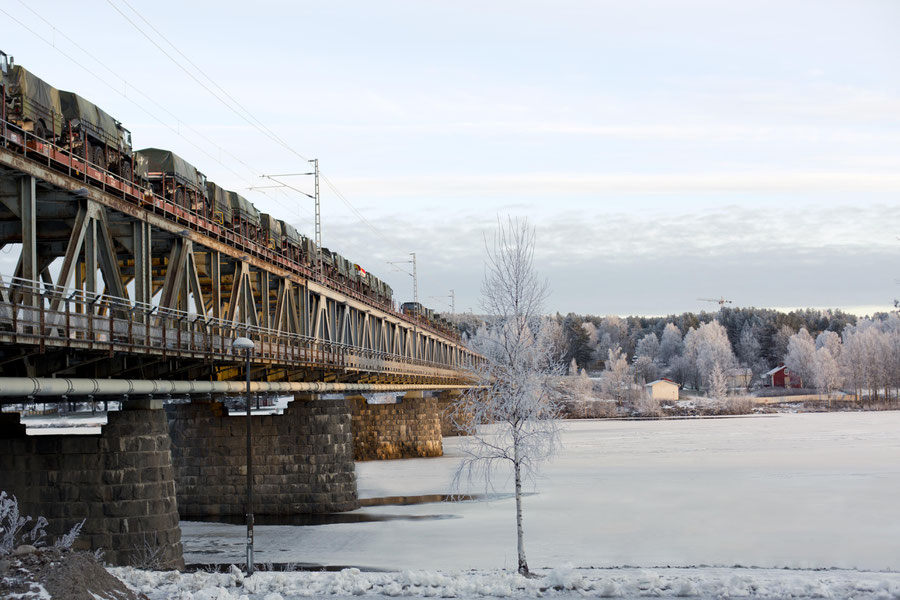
(408, 429)
(302, 460)
(120, 481)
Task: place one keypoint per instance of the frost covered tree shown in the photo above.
(617, 377)
(648, 346)
(718, 383)
(670, 345)
(748, 346)
(827, 371)
(513, 420)
(705, 349)
(801, 356)
(645, 369)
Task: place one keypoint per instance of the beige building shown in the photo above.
(662, 389)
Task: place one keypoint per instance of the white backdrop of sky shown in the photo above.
(665, 151)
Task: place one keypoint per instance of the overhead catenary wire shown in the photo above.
(236, 107)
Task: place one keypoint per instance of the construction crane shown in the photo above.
(721, 301)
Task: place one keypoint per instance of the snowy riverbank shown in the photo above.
(559, 583)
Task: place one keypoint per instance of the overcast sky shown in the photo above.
(665, 151)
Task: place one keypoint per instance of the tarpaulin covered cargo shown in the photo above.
(218, 197)
(309, 248)
(272, 229)
(291, 235)
(327, 257)
(168, 163)
(34, 99)
(342, 265)
(243, 208)
(76, 108)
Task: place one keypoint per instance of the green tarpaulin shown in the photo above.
(40, 100)
(219, 200)
(76, 107)
(166, 161)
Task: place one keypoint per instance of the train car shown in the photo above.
(291, 242)
(270, 234)
(221, 205)
(92, 133)
(30, 102)
(412, 309)
(244, 216)
(175, 179)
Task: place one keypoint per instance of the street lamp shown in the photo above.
(247, 344)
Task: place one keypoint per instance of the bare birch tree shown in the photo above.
(513, 419)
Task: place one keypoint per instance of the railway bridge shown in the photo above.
(119, 294)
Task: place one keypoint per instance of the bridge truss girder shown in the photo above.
(119, 266)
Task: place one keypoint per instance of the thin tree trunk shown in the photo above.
(520, 534)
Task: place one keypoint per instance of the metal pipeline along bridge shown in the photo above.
(147, 300)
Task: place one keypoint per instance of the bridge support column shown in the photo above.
(302, 460)
(121, 482)
(409, 428)
(450, 416)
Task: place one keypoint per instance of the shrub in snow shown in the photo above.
(13, 530)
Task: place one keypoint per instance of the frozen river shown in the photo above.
(792, 490)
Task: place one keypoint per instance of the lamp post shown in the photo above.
(247, 344)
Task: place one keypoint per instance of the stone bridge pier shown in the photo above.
(411, 427)
(121, 482)
(302, 459)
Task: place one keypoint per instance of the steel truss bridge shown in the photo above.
(146, 289)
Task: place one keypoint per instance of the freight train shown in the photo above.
(82, 129)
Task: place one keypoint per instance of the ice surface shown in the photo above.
(794, 490)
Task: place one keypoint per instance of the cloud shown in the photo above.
(563, 184)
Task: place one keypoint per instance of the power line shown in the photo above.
(247, 115)
(262, 129)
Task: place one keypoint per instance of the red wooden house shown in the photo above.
(781, 376)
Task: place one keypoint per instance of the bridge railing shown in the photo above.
(49, 315)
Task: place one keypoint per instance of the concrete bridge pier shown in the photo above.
(302, 459)
(120, 481)
(409, 428)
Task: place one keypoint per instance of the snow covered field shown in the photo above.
(792, 490)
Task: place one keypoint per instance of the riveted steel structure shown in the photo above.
(146, 289)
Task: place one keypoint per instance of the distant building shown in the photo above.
(739, 377)
(781, 376)
(662, 389)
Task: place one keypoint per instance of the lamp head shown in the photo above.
(243, 343)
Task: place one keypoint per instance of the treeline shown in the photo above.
(758, 336)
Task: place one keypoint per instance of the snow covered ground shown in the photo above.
(793, 490)
(563, 582)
